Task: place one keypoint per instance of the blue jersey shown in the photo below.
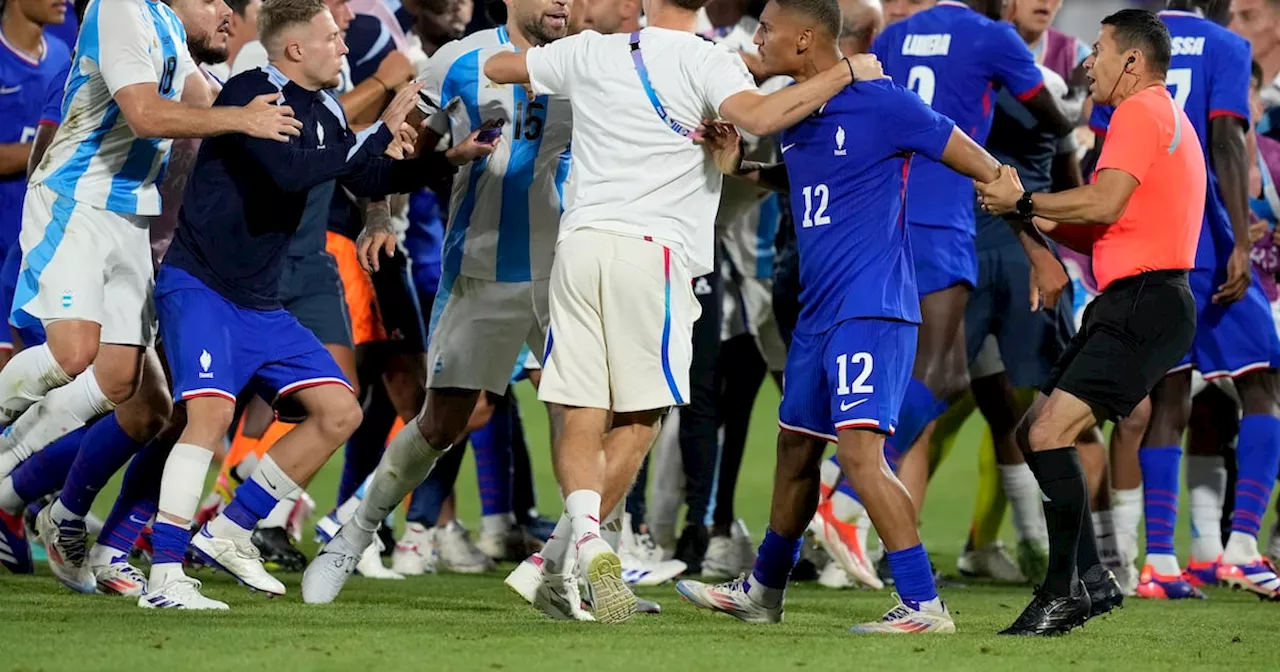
(1209, 78)
(848, 168)
(954, 57)
(30, 95)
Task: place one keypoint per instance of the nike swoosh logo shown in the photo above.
(137, 519)
(786, 147)
(846, 406)
(4, 91)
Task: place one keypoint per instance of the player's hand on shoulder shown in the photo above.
(723, 144)
(1000, 197)
(472, 148)
(864, 67)
(263, 118)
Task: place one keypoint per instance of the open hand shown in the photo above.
(405, 101)
(376, 238)
(723, 144)
(269, 121)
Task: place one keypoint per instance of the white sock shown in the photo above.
(1023, 493)
(555, 554)
(162, 573)
(26, 379)
(829, 473)
(248, 465)
(497, 524)
(10, 502)
(1104, 530)
(1241, 549)
(61, 412)
(864, 531)
(348, 508)
(279, 516)
(102, 554)
(611, 526)
(1126, 515)
(405, 464)
(764, 595)
(183, 482)
(59, 514)
(1164, 564)
(583, 509)
(1207, 487)
(845, 508)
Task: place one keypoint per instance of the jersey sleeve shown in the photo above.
(1133, 142)
(1012, 64)
(554, 67)
(124, 57)
(51, 112)
(429, 102)
(916, 127)
(723, 74)
(1100, 119)
(1229, 85)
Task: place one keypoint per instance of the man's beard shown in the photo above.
(537, 31)
(205, 53)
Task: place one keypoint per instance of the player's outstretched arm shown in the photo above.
(1099, 203)
(765, 115)
(1229, 157)
(508, 68)
(724, 145)
(151, 116)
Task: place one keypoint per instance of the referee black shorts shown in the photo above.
(1131, 335)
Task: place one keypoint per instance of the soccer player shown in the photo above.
(897, 10)
(218, 290)
(497, 254)
(1209, 79)
(243, 29)
(1140, 217)
(952, 56)
(846, 168)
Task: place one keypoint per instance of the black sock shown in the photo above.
(1062, 481)
(1087, 547)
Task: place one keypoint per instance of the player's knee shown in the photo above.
(206, 423)
(73, 354)
(1044, 433)
(339, 418)
(861, 462)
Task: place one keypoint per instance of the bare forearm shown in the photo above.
(772, 176)
(1082, 205)
(364, 100)
(13, 158)
(968, 158)
(780, 110)
(169, 119)
(1229, 154)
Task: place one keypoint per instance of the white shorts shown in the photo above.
(83, 263)
(477, 329)
(748, 309)
(622, 314)
(988, 361)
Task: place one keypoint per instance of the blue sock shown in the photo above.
(138, 499)
(1258, 459)
(919, 408)
(776, 558)
(492, 446)
(1160, 469)
(43, 473)
(168, 543)
(912, 575)
(252, 503)
(105, 449)
(429, 496)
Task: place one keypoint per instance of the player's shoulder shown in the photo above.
(246, 86)
(168, 21)
(57, 54)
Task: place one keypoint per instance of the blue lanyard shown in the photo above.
(653, 95)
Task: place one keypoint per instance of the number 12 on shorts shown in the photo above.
(843, 363)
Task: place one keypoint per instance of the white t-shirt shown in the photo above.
(631, 173)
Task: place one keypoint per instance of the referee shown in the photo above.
(1140, 219)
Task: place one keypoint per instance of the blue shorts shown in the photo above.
(218, 348)
(944, 257)
(33, 335)
(1030, 343)
(852, 376)
(1233, 339)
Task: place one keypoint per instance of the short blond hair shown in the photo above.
(274, 16)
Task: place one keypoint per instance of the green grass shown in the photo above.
(454, 622)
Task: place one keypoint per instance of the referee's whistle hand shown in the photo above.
(263, 118)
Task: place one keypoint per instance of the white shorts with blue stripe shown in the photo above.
(80, 262)
(622, 314)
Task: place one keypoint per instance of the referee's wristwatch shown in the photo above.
(1025, 207)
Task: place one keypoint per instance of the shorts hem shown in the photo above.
(552, 398)
(1236, 373)
(865, 423)
(473, 387)
(207, 392)
(808, 432)
(308, 383)
(1117, 409)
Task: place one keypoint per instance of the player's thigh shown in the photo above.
(204, 337)
(575, 368)
(479, 333)
(806, 398)
(1232, 339)
(868, 364)
(129, 316)
(65, 249)
(295, 360)
(649, 309)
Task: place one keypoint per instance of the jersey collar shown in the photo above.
(26, 58)
(952, 3)
(1181, 12)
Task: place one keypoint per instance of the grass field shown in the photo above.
(455, 622)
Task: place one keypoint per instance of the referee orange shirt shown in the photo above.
(1151, 139)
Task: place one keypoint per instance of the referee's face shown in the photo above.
(1105, 66)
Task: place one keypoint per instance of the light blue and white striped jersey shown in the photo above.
(504, 212)
(95, 158)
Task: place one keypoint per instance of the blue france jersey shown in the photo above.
(95, 157)
(1209, 78)
(954, 57)
(30, 95)
(504, 211)
(848, 166)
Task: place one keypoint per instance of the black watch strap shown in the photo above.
(1025, 206)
